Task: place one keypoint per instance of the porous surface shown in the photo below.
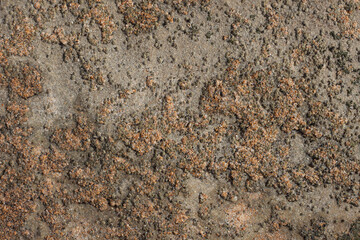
(179, 119)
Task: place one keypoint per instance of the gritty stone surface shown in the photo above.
(179, 119)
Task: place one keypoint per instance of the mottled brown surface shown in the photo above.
(179, 119)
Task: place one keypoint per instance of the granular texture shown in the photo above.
(179, 119)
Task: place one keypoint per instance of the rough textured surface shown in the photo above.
(179, 119)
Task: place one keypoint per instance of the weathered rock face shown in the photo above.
(192, 119)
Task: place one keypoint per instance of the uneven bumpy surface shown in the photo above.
(179, 119)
